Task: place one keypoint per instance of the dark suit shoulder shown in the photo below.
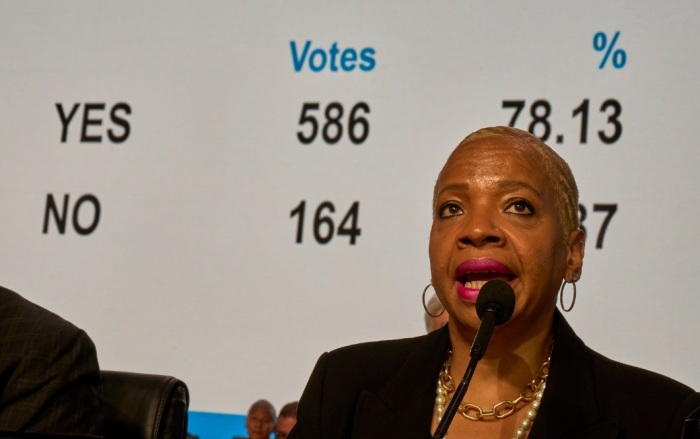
(590, 395)
(644, 387)
(630, 394)
(373, 377)
(636, 379)
(49, 374)
(19, 316)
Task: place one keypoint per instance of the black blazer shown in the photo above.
(386, 389)
(49, 375)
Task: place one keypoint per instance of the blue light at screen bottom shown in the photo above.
(216, 425)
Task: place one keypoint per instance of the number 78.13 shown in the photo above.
(541, 109)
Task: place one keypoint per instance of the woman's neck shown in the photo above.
(513, 357)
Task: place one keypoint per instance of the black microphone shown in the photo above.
(494, 306)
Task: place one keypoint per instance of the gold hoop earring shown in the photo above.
(425, 290)
(561, 296)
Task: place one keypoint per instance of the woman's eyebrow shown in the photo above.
(511, 184)
(455, 187)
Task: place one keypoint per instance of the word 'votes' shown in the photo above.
(334, 58)
(92, 118)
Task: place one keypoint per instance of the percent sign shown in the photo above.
(600, 44)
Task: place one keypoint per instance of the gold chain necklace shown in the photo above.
(531, 392)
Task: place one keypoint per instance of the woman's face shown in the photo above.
(495, 218)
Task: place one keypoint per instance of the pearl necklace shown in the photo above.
(532, 392)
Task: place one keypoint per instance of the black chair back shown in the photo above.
(144, 406)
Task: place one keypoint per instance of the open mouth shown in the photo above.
(477, 280)
(474, 273)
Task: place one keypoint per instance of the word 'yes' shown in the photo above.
(346, 60)
(61, 218)
(92, 117)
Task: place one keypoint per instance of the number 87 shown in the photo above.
(609, 208)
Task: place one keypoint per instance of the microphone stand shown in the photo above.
(481, 341)
(690, 427)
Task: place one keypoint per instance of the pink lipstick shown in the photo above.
(472, 274)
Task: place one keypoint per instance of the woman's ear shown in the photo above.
(576, 245)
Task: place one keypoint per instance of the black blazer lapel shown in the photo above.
(403, 407)
(569, 409)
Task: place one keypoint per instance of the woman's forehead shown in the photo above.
(494, 156)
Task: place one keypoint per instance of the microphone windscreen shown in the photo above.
(498, 295)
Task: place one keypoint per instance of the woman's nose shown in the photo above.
(480, 228)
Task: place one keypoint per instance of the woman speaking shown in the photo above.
(505, 207)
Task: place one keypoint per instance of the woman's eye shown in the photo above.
(520, 207)
(450, 210)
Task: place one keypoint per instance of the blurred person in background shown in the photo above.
(286, 420)
(261, 420)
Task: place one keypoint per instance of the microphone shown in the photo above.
(494, 306)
